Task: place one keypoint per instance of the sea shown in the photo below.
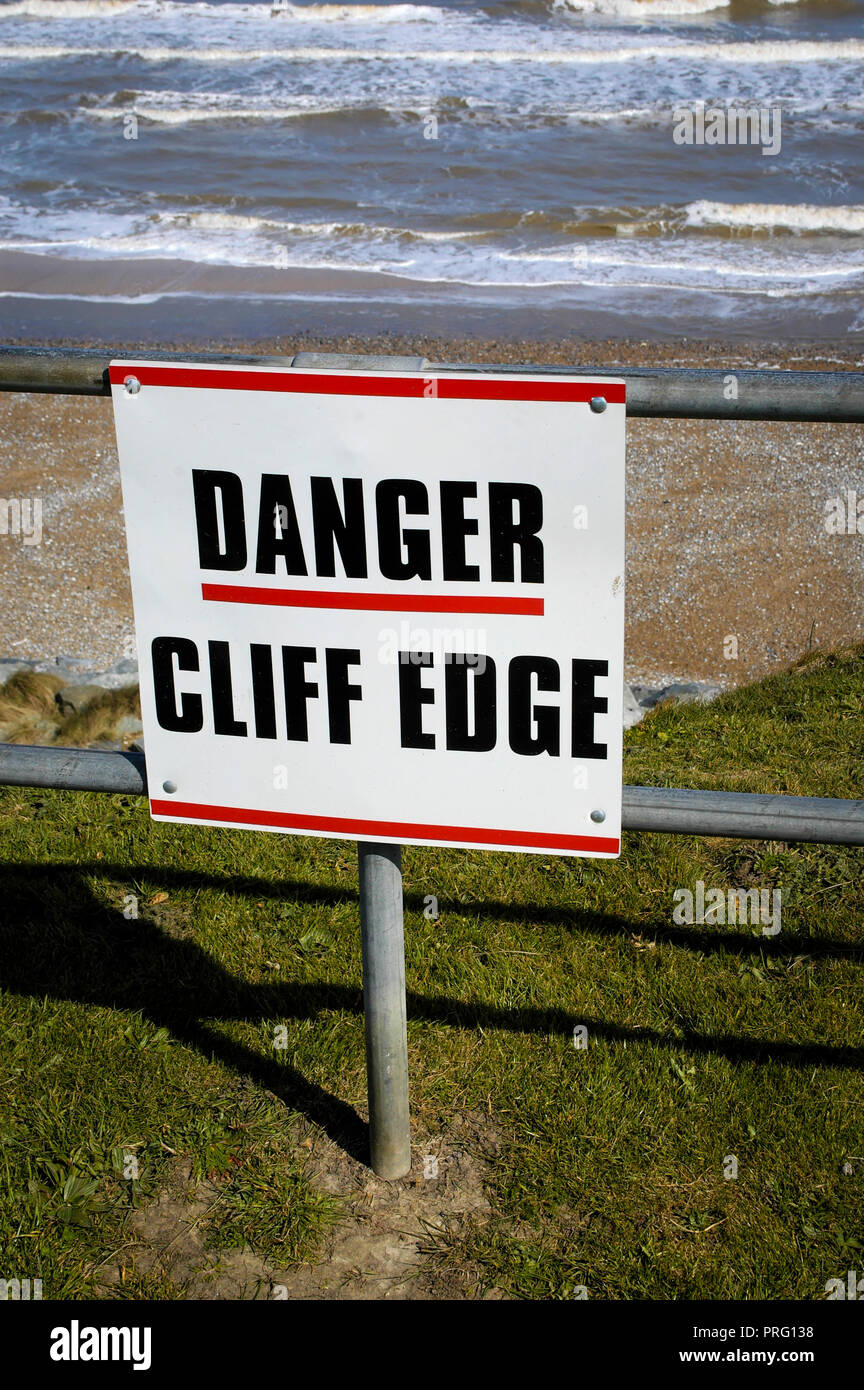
(207, 168)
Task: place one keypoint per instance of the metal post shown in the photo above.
(384, 1006)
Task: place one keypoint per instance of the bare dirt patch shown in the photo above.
(379, 1250)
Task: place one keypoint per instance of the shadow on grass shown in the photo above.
(97, 957)
(715, 941)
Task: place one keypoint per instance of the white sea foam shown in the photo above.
(241, 222)
(789, 52)
(66, 9)
(643, 115)
(176, 108)
(186, 10)
(152, 298)
(757, 217)
(339, 14)
(641, 9)
(479, 258)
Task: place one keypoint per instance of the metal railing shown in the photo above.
(652, 392)
(740, 395)
(684, 393)
(670, 810)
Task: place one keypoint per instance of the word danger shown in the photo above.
(532, 698)
(511, 521)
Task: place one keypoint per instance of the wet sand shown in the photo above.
(155, 299)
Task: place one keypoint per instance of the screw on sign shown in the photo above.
(273, 516)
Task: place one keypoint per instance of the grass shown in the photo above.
(154, 1034)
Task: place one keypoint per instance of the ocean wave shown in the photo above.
(177, 108)
(170, 107)
(749, 269)
(67, 9)
(796, 232)
(585, 224)
(641, 9)
(537, 249)
(336, 14)
(244, 222)
(626, 115)
(720, 219)
(787, 51)
(770, 217)
(144, 298)
(187, 9)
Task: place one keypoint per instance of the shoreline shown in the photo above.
(143, 299)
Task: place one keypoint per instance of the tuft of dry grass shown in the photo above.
(30, 712)
(100, 717)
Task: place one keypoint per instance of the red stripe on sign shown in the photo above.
(390, 603)
(379, 384)
(369, 829)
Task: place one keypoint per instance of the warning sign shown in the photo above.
(379, 606)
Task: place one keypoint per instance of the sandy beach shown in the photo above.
(725, 520)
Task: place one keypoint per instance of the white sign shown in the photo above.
(379, 606)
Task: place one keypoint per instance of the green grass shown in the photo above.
(149, 1035)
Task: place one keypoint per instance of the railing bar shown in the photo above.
(653, 392)
(669, 810)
